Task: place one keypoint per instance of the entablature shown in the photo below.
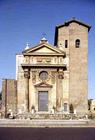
(62, 66)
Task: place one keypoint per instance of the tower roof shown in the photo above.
(76, 21)
(67, 24)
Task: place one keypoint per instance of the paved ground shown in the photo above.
(47, 133)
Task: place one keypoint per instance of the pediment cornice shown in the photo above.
(43, 85)
(38, 50)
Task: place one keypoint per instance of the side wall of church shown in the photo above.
(20, 83)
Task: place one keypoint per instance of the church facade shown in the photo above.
(55, 78)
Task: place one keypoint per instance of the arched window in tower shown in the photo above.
(77, 43)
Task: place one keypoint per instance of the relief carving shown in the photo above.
(48, 59)
(43, 60)
(26, 73)
(39, 59)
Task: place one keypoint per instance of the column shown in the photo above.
(27, 75)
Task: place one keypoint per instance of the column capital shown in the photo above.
(61, 74)
(26, 73)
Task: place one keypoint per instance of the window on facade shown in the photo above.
(43, 75)
(77, 43)
(66, 43)
(65, 106)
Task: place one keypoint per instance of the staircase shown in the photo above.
(56, 116)
(44, 120)
(42, 123)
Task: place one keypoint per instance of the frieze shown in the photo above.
(27, 59)
(31, 59)
(43, 60)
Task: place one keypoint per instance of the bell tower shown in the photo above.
(72, 37)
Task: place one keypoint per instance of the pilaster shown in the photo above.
(59, 93)
(27, 76)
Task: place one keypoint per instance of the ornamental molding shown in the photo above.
(43, 85)
(26, 73)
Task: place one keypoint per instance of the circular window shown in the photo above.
(43, 75)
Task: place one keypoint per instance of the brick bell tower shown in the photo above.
(72, 37)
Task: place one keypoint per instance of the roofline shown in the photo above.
(4, 79)
(74, 20)
(60, 52)
(67, 24)
(24, 51)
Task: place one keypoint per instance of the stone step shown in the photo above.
(48, 116)
(42, 123)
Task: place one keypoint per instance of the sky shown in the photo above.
(25, 21)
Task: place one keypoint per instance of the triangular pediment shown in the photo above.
(43, 85)
(43, 48)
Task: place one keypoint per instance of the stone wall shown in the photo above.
(9, 96)
(78, 68)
